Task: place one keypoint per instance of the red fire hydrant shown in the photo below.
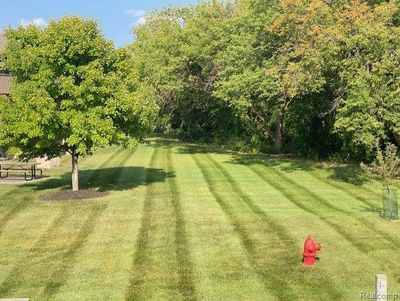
(310, 251)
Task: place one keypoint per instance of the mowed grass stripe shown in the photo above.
(371, 245)
(372, 226)
(14, 211)
(123, 171)
(9, 195)
(14, 202)
(98, 173)
(51, 250)
(44, 251)
(6, 189)
(275, 285)
(162, 276)
(108, 178)
(27, 199)
(353, 192)
(183, 256)
(275, 180)
(289, 258)
(282, 185)
(60, 271)
(222, 269)
(373, 202)
(142, 253)
(106, 257)
(276, 228)
(22, 234)
(322, 201)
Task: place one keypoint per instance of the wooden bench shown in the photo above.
(7, 173)
(27, 170)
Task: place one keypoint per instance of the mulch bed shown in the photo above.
(65, 195)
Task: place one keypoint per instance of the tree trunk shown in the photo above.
(397, 138)
(75, 172)
(278, 139)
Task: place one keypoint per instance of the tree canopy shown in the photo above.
(312, 77)
(69, 93)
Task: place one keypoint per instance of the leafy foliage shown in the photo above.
(386, 166)
(370, 107)
(67, 92)
(310, 77)
(315, 78)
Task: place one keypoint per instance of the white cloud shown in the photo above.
(140, 21)
(38, 22)
(138, 15)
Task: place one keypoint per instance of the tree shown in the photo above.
(369, 105)
(287, 63)
(68, 93)
(205, 34)
(157, 60)
(310, 77)
(175, 54)
(386, 166)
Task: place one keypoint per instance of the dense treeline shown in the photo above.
(312, 77)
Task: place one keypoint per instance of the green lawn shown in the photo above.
(187, 222)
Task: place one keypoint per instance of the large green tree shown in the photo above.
(69, 94)
(369, 106)
(311, 77)
(175, 55)
(282, 63)
(156, 61)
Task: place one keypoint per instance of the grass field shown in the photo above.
(189, 222)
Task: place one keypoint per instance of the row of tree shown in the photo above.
(312, 77)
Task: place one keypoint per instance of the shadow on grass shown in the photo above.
(50, 265)
(106, 179)
(60, 273)
(373, 209)
(346, 173)
(350, 174)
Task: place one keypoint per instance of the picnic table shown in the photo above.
(28, 170)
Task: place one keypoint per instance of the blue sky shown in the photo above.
(116, 18)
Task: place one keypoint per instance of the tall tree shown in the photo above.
(175, 55)
(311, 77)
(157, 59)
(369, 107)
(68, 93)
(292, 55)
